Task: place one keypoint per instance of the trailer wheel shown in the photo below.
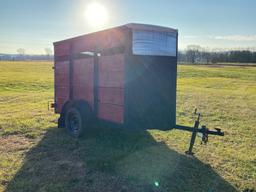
(74, 122)
(78, 118)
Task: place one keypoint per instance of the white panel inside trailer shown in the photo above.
(154, 43)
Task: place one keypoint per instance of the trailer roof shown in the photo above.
(148, 27)
(133, 26)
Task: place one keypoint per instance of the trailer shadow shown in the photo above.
(111, 159)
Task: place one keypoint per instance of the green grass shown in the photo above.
(37, 156)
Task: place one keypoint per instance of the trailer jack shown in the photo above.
(203, 131)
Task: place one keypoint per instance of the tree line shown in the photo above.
(21, 55)
(196, 54)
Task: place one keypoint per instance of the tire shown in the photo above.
(74, 122)
(78, 119)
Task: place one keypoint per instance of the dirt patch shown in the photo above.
(11, 143)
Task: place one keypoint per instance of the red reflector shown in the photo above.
(53, 105)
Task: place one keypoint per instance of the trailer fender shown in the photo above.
(61, 120)
(83, 106)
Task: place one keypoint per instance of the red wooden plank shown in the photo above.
(103, 40)
(113, 113)
(114, 79)
(83, 72)
(62, 49)
(62, 91)
(111, 71)
(61, 97)
(60, 103)
(61, 80)
(61, 83)
(61, 67)
(83, 80)
(111, 63)
(111, 95)
(111, 84)
(84, 93)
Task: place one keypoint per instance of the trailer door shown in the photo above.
(110, 90)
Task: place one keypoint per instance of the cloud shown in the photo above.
(191, 37)
(224, 37)
(236, 37)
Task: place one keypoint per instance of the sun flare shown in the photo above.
(96, 14)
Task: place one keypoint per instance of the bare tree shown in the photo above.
(193, 53)
(48, 52)
(21, 52)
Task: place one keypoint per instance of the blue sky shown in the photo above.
(35, 24)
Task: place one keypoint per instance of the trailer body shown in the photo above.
(126, 74)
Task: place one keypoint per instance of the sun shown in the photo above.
(96, 14)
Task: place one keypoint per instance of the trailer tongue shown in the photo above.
(204, 131)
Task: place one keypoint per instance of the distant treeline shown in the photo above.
(192, 55)
(201, 56)
(17, 57)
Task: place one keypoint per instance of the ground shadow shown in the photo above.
(110, 159)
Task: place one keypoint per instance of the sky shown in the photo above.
(35, 24)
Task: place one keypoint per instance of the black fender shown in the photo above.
(81, 105)
(61, 120)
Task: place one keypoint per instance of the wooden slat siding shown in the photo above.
(61, 92)
(61, 82)
(83, 80)
(61, 67)
(113, 63)
(99, 41)
(61, 49)
(113, 113)
(111, 95)
(60, 103)
(111, 88)
(111, 71)
(84, 93)
(112, 79)
(83, 72)
(103, 40)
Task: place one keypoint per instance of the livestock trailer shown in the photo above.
(125, 76)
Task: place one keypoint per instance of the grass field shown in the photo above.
(37, 156)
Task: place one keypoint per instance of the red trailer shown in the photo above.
(125, 76)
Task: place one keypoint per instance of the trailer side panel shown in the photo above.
(61, 84)
(111, 88)
(83, 80)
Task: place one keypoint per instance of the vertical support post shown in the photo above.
(95, 83)
(193, 137)
(71, 63)
(176, 72)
